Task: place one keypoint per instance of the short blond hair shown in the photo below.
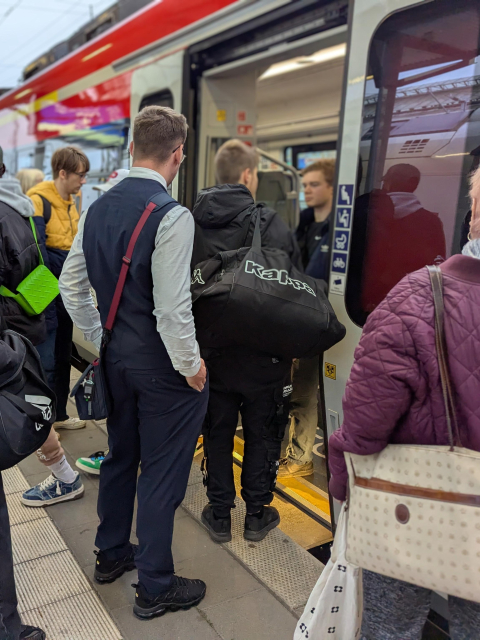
(326, 166)
(231, 160)
(29, 178)
(157, 131)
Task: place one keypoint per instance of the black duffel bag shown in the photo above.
(255, 297)
(27, 404)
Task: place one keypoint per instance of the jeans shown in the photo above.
(9, 618)
(63, 355)
(304, 410)
(396, 610)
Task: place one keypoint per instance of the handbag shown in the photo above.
(254, 297)
(27, 404)
(335, 606)
(38, 289)
(91, 391)
(414, 510)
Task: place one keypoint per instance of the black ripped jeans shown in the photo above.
(258, 387)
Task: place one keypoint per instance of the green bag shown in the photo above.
(38, 289)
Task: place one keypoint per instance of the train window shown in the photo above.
(161, 98)
(421, 136)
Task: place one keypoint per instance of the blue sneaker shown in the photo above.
(51, 491)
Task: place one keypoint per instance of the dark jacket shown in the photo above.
(223, 216)
(314, 241)
(18, 258)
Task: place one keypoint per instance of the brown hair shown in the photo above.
(326, 166)
(157, 131)
(233, 157)
(70, 159)
(29, 178)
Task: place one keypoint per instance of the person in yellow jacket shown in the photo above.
(56, 220)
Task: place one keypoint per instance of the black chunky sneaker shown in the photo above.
(183, 594)
(259, 524)
(110, 570)
(31, 633)
(220, 529)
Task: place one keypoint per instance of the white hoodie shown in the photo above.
(11, 193)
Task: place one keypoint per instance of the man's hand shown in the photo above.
(198, 382)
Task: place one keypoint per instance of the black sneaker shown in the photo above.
(110, 570)
(31, 633)
(220, 529)
(258, 525)
(183, 594)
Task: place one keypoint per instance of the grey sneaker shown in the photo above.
(290, 469)
(70, 423)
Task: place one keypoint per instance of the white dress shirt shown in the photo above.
(171, 295)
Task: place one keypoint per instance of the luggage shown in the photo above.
(255, 297)
(27, 404)
(414, 511)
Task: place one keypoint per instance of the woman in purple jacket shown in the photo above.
(394, 395)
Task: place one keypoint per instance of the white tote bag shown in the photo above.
(334, 608)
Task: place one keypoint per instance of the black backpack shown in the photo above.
(27, 404)
(255, 297)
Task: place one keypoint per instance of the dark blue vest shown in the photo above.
(108, 227)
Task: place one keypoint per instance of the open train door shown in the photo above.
(228, 111)
(410, 133)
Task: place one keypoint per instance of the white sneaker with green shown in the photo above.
(92, 463)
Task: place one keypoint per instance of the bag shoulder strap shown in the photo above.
(127, 258)
(34, 231)
(47, 208)
(441, 345)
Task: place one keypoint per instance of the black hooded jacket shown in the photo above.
(223, 217)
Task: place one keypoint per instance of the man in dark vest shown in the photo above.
(156, 377)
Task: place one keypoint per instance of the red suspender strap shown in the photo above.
(126, 260)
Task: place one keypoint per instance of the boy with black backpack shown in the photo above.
(253, 383)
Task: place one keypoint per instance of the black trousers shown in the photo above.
(259, 388)
(63, 355)
(155, 423)
(9, 618)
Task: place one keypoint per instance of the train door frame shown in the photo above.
(195, 70)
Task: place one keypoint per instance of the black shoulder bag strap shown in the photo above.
(47, 209)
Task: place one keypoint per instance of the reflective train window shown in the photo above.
(421, 140)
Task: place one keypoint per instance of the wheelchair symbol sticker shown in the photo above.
(340, 242)
(330, 371)
(339, 262)
(344, 215)
(345, 195)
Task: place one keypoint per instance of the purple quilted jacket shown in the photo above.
(394, 392)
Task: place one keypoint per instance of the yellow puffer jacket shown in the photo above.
(63, 224)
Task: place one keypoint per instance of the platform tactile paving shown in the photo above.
(49, 579)
(289, 571)
(36, 539)
(19, 513)
(13, 481)
(81, 617)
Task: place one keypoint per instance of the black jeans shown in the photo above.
(259, 388)
(63, 355)
(9, 618)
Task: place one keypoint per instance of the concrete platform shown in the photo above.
(254, 591)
